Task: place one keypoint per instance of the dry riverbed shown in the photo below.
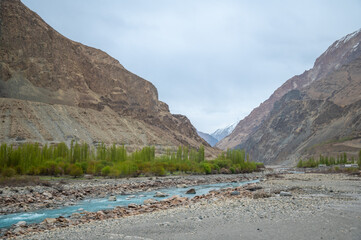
(285, 206)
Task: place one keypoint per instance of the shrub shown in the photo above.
(8, 172)
(159, 170)
(300, 164)
(113, 173)
(33, 171)
(105, 171)
(207, 168)
(76, 171)
(51, 168)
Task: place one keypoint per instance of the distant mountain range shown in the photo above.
(317, 112)
(218, 135)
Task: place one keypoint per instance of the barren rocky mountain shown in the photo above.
(53, 89)
(338, 54)
(318, 112)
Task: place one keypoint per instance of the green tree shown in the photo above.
(201, 153)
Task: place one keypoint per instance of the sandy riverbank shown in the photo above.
(322, 206)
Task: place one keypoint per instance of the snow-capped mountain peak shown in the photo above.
(221, 133)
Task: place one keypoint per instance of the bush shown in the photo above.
(207, 168)
(8, 172)
(33, 171)
(51, 168)
(76, 171)
(159, 170)
(114, 173)
(300, 164)
(105, 171)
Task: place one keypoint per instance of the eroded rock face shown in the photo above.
(53, 77)
(340, 53)
(322, 118)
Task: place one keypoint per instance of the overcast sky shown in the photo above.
(213, 61)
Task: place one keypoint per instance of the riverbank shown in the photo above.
(57, 193)
(287, 206)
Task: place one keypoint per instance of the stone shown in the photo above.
(191, 191)
(18, 230)
(235, 193)
(88, 176)
(21, 224)
(132, 205)
(181, 186)
(48, 194)
(261, 194)
(150, 201)
(49, 220)
(285, 194)
(75, 215)
(160, 194)
(253, 188)
(112, 198)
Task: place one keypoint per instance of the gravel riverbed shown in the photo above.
(287, 206)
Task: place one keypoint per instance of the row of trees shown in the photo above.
(115, 161)
(329, 161)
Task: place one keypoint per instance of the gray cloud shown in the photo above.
(213, 61)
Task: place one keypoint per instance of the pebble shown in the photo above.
(285, 194)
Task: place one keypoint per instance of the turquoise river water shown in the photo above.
(96, 204)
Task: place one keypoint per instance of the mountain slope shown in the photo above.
(338, 54)
(322, 117)
(81, 92)
(209, 138)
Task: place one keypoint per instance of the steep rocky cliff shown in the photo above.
(321, 114)
(338, 54)
(54, 89)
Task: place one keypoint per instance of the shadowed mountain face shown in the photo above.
(338, 54)
(55, 89)
(317, 112)
(209, 138)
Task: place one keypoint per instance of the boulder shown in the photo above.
(132, 205)
(88, 176)
(160, 194)
(181, 186)
(21, 224)
(191, 191)
(149, 201)
(112, 198)
(75, 215)
(49, 220)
